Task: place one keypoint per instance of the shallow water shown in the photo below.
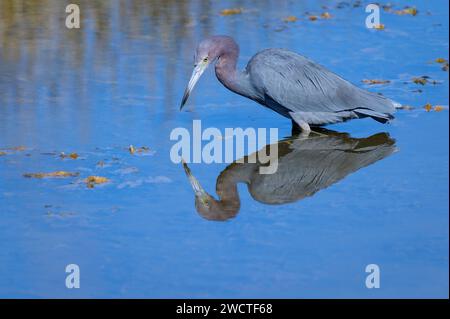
(118, 81)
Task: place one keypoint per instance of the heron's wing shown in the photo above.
(300, 85)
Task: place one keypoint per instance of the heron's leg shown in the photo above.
(304, 126)
(298, 131)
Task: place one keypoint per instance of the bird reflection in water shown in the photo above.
(305, 166)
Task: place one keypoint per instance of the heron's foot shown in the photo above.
(304, 134)
(318, 133)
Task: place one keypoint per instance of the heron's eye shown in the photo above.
(205, 59)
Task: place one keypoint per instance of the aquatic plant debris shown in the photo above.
(424, 79)
(420, 80)
(407, 10)
(438, 108)
(92, 180)
(51, 174)
(379, 26)
(375, 81)
(15, 148)
(18, 148)
(444, 63)
(290, 19)
(143, 149)
(228, 12)
(71, 155)
(138, 150)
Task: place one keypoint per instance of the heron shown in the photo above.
(305, 166)
(289, 84)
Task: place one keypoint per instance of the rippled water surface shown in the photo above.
(382, 195)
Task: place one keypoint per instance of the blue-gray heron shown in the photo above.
(289, 84)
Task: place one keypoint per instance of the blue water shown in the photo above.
(118, 81)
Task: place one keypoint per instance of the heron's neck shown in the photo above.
(226, 188)
(226, 184)
(229, 200)
(228, 204)
(232, 79)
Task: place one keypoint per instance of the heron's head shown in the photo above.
(206, 205)
(207, 52)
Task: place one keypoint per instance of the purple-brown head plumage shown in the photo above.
(208, 51)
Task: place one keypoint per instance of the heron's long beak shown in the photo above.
(196, 74)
